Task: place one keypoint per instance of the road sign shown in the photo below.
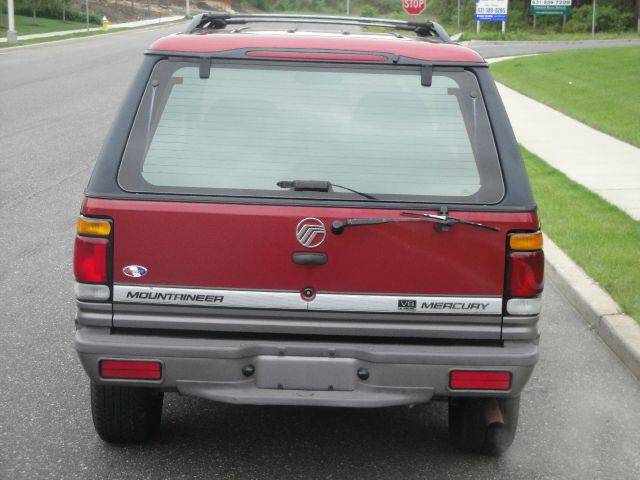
(550, 7)
(414, 7)
(491, 10)
(549, 10)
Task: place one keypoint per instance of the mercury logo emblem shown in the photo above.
(135, 271)
(310, 232)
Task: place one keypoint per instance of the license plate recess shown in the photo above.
(305, 373)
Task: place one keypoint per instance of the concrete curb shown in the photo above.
(620, 332)
(154, 26)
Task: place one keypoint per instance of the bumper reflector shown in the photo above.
(130, 369)
(479, 380)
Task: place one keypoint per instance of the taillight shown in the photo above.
(130, 369)
(91, 259)
(479, 380)
(525, 273)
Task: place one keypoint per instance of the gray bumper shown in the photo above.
(304, 373)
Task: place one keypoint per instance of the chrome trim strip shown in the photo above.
(291, 300)
(205, 297)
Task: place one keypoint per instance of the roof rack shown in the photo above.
(220, 20)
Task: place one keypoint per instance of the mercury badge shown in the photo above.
(135, 271)
(310, 232)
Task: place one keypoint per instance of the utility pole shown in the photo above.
(458, 15)
(187, 9)
(12, 36)
(593, 21)
(348, 7)
(86, 6)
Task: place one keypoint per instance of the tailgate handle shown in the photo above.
(309, 258)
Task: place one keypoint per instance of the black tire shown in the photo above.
(469, 430)
(125, 414)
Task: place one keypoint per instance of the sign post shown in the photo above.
(414, 7)
(492, 11)
(550, 7)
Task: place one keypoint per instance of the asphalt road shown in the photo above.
(580, 414)
(493, 49)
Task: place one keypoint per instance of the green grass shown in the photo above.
(25, 25)
(600, 87)
(599, 237)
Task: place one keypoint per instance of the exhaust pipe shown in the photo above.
(492, 413)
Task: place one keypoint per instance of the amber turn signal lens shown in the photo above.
(526, 241)
(93, 227)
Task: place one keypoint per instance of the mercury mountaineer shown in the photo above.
(304, 217)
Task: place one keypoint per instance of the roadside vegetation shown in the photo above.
(599, 237)
(26, 25)
(612, 15)
(599, 87)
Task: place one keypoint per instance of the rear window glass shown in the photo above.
(374, 130)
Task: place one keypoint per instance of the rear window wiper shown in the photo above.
(443, 221)
(318, 186)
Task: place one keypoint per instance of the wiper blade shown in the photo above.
(318, 186)
(443, 220)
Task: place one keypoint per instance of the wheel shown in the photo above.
(125, 414)
(473, 429)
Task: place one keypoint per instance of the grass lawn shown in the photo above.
(25, 25)
(600, 87)
(599, 237)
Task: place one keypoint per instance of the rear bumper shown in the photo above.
(305, 373)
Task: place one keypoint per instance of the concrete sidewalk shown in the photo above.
(603, 164)
(139, 23)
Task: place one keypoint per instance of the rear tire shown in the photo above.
(125, 414)
(469, 430)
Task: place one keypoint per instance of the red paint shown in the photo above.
(406, 47)
(342, 57)
(414, 7)
(479, 380)
(526, 274)
(90, 259)
(250, 247)
(130, 369)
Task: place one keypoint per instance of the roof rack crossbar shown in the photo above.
(218, 21)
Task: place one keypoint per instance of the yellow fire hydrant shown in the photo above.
(105, 23)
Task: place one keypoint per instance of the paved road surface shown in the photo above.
(493, 49)
(580, 412)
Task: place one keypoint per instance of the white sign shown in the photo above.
(550, 3)
(491, 10)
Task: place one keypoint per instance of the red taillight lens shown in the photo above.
(130, 369)
(526, 274)
(478, 380)
(90, 259)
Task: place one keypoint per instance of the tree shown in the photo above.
(64, 9)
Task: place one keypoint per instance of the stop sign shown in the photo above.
(413, 7)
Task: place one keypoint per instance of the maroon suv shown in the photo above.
(287, 215)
